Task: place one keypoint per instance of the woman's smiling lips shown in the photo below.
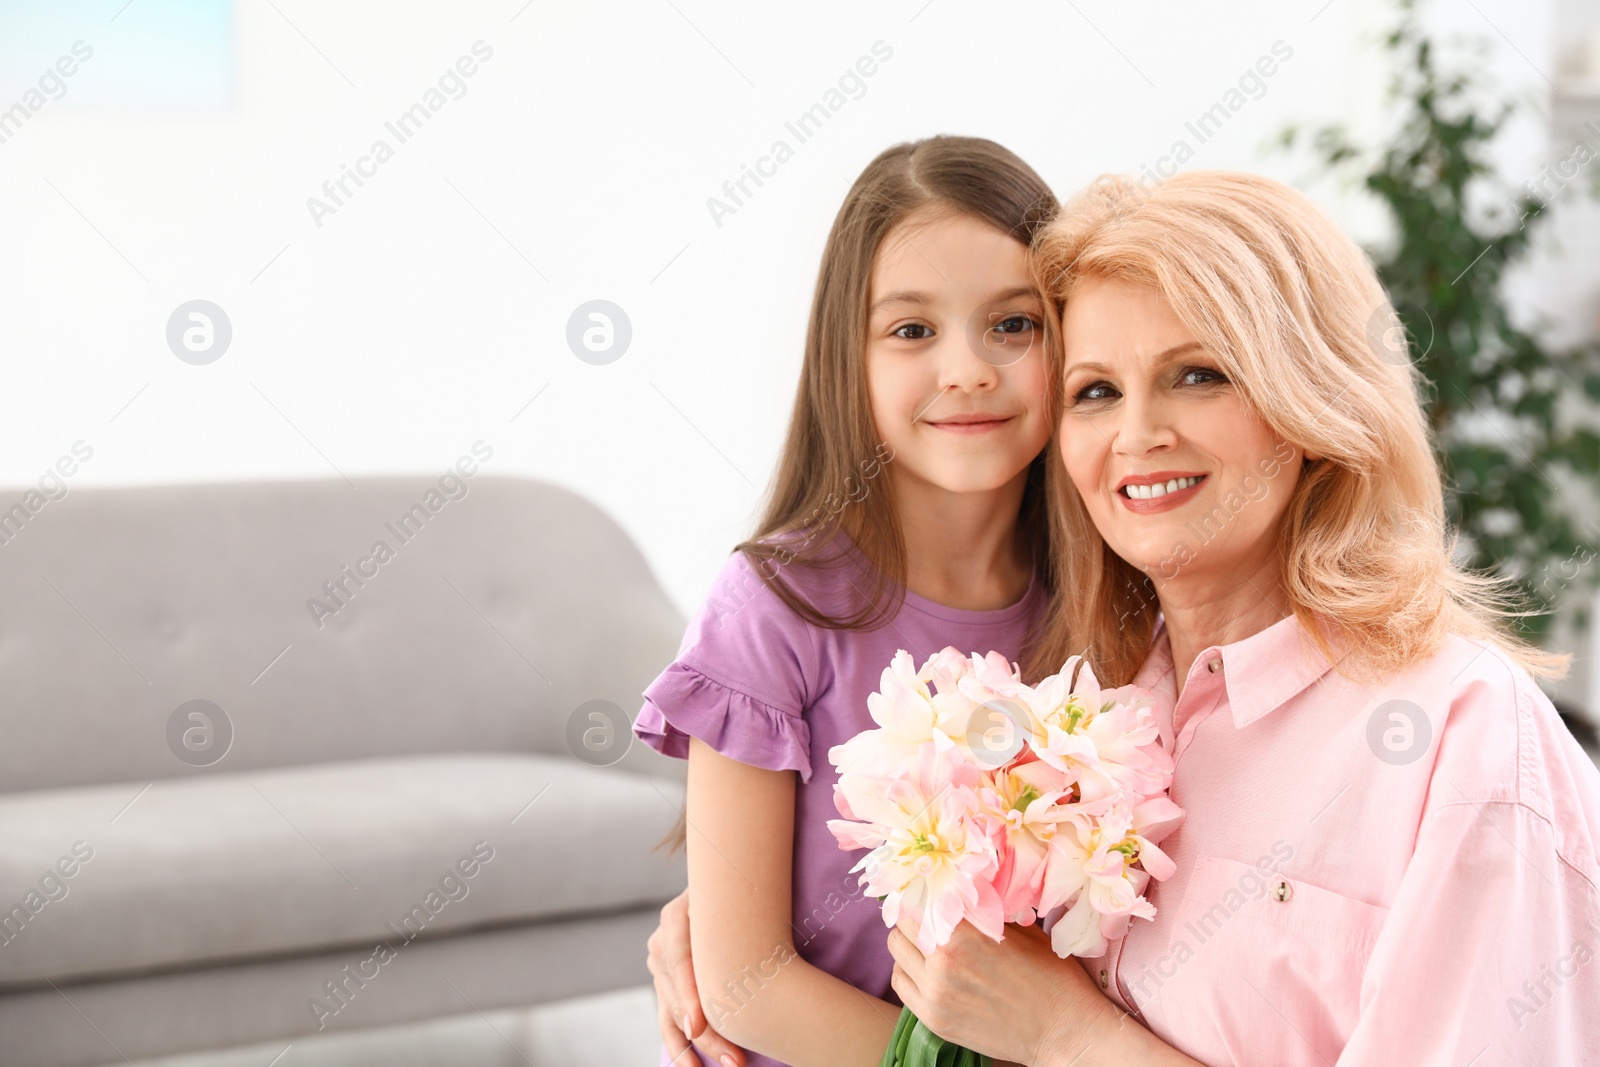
(1145, 494)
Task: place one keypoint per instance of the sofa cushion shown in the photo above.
(120, 879)
(491, 625)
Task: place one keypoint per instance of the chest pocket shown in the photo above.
(1286, 957)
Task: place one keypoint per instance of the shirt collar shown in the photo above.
(1262, 672)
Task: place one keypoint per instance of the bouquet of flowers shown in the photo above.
(985, 799)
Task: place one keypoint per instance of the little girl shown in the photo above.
(906, 515)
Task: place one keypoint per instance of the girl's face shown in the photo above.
(1147, 411)
(955, 353)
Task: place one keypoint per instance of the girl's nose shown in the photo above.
(966, 364)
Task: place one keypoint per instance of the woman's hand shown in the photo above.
(680, 1015)
(1013, 999)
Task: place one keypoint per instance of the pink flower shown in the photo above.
(979, 797)
(908, 715)
(1019, 803)
(1091, 866)
(932, 857)
(941, 703)
(1105, 739)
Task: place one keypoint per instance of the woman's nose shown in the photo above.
(1144, 426)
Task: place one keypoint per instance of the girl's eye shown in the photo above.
(924, 334)
(1096, 391)
(1015, 324)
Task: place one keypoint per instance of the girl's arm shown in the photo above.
(755, 990)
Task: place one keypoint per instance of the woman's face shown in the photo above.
(1180, 475)
(955, 353)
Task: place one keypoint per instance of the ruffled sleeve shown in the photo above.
(682, 702)
(741, 681)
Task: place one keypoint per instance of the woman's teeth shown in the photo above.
(1146, 492)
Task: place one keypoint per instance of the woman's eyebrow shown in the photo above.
(1163, 357)
(1178, 350)
(1098, 368)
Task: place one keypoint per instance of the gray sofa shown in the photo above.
(399, 795)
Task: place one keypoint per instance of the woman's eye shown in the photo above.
(1202, 376)
(919, 332)
(1096, 391)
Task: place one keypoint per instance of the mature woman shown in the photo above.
(1390, 848)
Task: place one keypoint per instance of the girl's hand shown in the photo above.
(678, 998)
(1012, 1000)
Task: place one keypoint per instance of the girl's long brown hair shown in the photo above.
(832, 452)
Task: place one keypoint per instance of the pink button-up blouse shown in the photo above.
(1398, 873)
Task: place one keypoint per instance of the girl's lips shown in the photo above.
(1161, 503)
(970, 427)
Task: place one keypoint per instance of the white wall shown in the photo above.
(433, 305)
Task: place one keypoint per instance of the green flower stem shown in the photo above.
(914, 1045)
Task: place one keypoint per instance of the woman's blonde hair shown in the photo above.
(1295, 315)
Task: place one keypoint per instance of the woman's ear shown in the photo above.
(1306, 454)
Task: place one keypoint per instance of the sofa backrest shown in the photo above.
(327, 622)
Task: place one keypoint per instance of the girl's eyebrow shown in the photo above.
(905, 296)
(915, 296)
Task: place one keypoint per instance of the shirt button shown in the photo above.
(1282, 891)
(1214, 666)
(1103, 979)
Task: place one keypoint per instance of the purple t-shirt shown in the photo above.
(759, 684)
